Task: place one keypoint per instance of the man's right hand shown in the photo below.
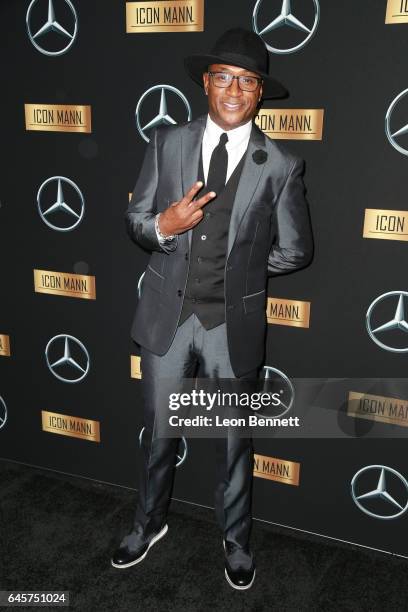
(186, 213)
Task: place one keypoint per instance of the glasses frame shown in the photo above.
(232, 77)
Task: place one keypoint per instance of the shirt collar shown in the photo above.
(235, 137)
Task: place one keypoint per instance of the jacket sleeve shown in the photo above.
(293, 245)
(142, 209)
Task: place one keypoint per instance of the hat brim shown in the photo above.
(196, 65)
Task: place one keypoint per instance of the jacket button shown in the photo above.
(229, 268)
(231, 306)
(186, 256)
(179, 292)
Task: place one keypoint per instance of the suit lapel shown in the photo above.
(191, 140)
(250, 176)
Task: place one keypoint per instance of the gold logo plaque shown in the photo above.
(135, 371)
(377, 408)
(385, 224)
(276, 469)
(64, 283)
(74, 427)
(288, 312)
(165, 16)
(4, 345)
(291, 123)
(58, 118)
(397, 11)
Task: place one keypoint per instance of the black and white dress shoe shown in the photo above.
(239, 566)
(126, 556)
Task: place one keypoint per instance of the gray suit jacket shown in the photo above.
(269, 234)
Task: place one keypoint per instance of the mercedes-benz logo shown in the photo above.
(379, 498)
(3, 412)
(397, 323)
(402, 131)
(180, 457)
(285, 19)
(67, 358)
(163, 117)
(52, 203)
(277, 382)
(51, 43)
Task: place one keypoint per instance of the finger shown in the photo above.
(204, 199)
(195, 222)
(196, 216)
(192, 192)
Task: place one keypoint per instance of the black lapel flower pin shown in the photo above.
(259, 156)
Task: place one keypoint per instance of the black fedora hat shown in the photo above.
(242, 48)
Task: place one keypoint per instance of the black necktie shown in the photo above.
(217, 171)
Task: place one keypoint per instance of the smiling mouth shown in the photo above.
(231, 106)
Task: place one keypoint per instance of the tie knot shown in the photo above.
(223, 139)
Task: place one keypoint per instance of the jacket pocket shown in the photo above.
(153, 279)
(254, 301)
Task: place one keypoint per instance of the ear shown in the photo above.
(205, 82)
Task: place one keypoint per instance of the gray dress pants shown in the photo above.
(194, 351)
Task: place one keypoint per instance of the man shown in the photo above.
(202, 308)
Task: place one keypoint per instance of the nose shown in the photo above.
(234, 88)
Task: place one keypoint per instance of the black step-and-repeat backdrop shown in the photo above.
(83, 83)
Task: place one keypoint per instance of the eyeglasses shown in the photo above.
(224, 79)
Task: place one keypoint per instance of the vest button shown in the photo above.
(199, 259)
(179, 292)
(186, 256)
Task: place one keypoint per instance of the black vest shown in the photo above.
(204, 294)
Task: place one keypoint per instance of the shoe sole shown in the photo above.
(155, 539)
(235, 586)
(240, 588)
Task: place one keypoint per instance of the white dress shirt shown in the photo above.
(236, 146)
